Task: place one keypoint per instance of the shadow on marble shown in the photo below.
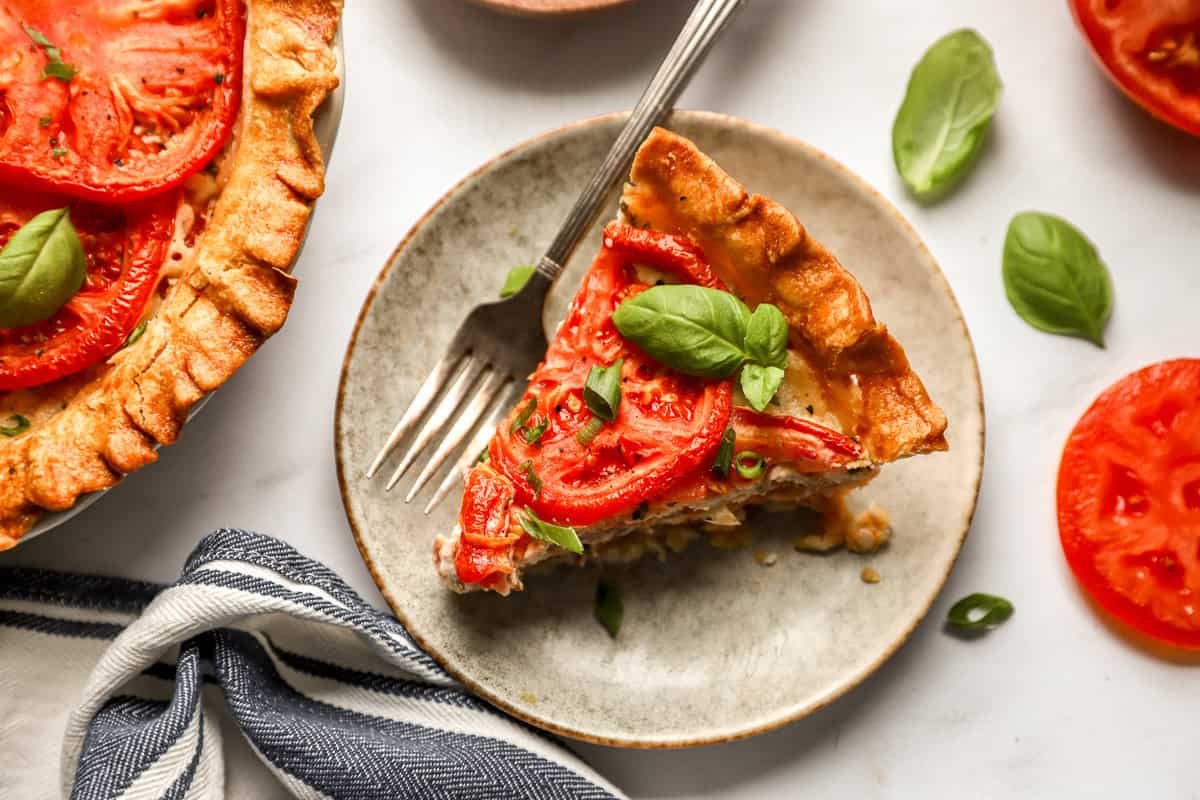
(552, 55)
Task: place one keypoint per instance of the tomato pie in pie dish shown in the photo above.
(158, 167)
(716, 357)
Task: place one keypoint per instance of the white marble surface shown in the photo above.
(1052, 704)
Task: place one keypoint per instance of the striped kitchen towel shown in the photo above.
(258, 674)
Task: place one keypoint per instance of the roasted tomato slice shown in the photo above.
(1129, 501)
(804, 445)
(487, 531)
(668, 425)
(125, 249)
(153, 97)
(1151, 49)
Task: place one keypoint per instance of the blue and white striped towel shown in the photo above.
(171, 692)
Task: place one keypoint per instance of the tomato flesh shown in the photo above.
(1129, 501)
(667, 426)
(1151, 49)
(153, 100)
(125, 248)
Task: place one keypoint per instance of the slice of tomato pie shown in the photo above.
(635, 428)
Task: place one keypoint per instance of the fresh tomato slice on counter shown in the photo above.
(125, 248)
(145, 93)
(1129, 501)
(669, 425)
(1151, 49)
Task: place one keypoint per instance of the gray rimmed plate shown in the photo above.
(325, 126)
(714, 646)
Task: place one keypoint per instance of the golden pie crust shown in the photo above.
(765, 255)
(235, 294)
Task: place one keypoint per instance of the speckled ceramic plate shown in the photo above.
(714, 646)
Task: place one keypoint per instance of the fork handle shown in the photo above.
(705, 23)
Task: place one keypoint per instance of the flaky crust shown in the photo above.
(235, 295)
(766, 255)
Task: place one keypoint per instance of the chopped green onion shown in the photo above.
(602, 390)
(720, 466)
(44, 122)
(484, 456)
(59, 152)
(534, 481)
(218, 79)
(977, 613)
(14, 425)
(525, 414)
(560, 535)
(585, 436)
(534, 435)
(516, 280)
(610, 611)
(135, 334)
(756, 468)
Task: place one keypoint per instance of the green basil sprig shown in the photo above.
(1054, 277)
(14, 425)
(55, 66)
(947, 109)
(541, 530)
(609, 609)
(978, 613)
(710, 334)
(41, 268)
(515, 280)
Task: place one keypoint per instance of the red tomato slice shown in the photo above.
(487, 528)
(1129, 501)
(804, 445)
(125, 249)
(153, 99)
(668, 426)
(1151, 49)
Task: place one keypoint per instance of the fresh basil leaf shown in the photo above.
(602, 390)
(534, 435)
(947, 109)
(135, 334)
(55, 66)
(531, 476)
(978, 613)
(693, 329)
(564, 537)
(41, 268)
(767, 336)
(1054, 277)
(516, 280)
(760, 384)
(58, 69)
(525, 414)
(610, 611)
(720, 465)
(14, 425)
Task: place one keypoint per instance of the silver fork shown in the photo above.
(499, 344)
